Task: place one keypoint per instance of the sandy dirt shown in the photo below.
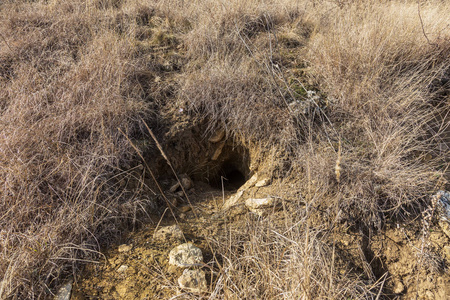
(408, 269)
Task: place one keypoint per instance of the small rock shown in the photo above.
(218, 151)
(174, 187)
(185, 255)
(169, 233)
(442, 199)
(64, 292)
(249, 183)
(193, 280)
(185, 208)
(235, 198)
(125, 248)
(398, 287)
(122, 289)
(186, 182)
(263, 182)
(262, 205)
(122, 268)
(447, 252)
(217, 136)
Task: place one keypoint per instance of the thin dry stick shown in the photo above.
(169, 205)
(170, 165)
(338, 168)
(182, 188)
(4, 39)
(223, 190)
(423, 26)
(157, 225)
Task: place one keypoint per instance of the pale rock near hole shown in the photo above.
(261, 206)
(125, 248)
(64, 292)
(169, 233)
(235, 198)
(398, 287)
(263, 182)
(217, 136)
(185, 181)
(185, 255)
(218, 151)
(193, 281)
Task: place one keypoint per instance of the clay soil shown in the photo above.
(149, 275)
(143, 272)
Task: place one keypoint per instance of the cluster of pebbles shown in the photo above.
(185, 256)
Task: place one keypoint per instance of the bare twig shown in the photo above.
(423, 26)
(169, 205)
(4, 39)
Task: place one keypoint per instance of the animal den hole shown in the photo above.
(230, 177)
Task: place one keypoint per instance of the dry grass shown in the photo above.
(266, 259)
(65, 91)
(72, 72)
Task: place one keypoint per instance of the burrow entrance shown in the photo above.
(223, 164)
(231, 171)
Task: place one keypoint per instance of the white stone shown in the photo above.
(185, 255)
(193, 280)
(249, 183)
(261, 206)
(217, 136)
(122, 268)
(263, 182)
(64, 292)
(218, 151)
(398, 287)
(125, 248)
(235, 198)
(169, 233)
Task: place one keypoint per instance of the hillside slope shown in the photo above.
(345, 104)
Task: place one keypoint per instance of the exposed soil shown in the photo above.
(414, 272)
(148, 274)
(143, 272)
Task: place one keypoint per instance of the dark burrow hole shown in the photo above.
(222, 164)
(229, 177)
(231, 170)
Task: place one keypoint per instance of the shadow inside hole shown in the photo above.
(229, 178)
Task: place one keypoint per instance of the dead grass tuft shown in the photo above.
(265, 259)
